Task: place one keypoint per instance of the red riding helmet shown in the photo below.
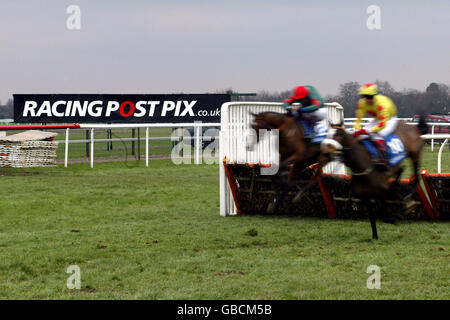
(300, 92)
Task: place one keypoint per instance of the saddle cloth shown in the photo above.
(395, 149)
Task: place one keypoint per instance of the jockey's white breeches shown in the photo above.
(316, 116)
(390, 127)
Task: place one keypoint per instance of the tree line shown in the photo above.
(435, 99)
(7, 110)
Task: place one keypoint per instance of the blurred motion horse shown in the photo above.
(368, 180)
(296, 154)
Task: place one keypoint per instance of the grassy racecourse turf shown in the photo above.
(156, 233)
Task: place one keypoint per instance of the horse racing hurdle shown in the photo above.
(234, 156)
(244, 190)
(438, 189)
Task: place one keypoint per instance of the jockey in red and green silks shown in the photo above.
(311, 108)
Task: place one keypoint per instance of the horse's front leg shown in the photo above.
(292, 159)
(314, 180)
(373, 223)
(304, 190)
(372, 219)
(372, 215)
(279, 198)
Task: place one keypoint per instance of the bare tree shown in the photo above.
(437, 98)
(348, 97)
(385, 88)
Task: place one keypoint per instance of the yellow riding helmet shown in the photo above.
(369, 89)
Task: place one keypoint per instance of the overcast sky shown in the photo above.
(203, 46)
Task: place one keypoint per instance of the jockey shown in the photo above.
(384, 122)
(310, 110)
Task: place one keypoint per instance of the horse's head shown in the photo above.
(336, 141)
(264, 120)
(253, 135)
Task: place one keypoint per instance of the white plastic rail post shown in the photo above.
(146, 146)
(432, 140)
(440, 154)
(197, 145)
(66, 152)
(92, 147)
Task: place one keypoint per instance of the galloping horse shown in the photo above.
(294, 151)
(368, 180)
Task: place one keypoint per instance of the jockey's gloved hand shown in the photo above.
(288, 108)
(361, 132)
(286, 105)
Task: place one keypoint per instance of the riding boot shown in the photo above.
(382, 153)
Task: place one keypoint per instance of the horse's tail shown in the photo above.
(422, 125)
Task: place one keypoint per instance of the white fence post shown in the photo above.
(146, 146)
(440, 154)
(92, 147)
(432, 140)
(66, 151)
(197, 145)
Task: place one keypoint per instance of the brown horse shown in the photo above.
(368, 180)
(295, 153)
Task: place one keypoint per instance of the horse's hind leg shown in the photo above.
(279, 198)
(393, 187)
(398, 174)
(409, 201)
(387, 215)
(414, 151)
(415, 162)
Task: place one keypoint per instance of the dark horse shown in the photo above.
(295, 153)
(368, 180)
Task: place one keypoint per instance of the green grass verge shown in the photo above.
(156, 233)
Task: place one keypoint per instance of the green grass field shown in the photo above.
(156, 233)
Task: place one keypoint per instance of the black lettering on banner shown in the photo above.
(118, 108)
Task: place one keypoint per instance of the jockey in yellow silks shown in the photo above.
(384, 113)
